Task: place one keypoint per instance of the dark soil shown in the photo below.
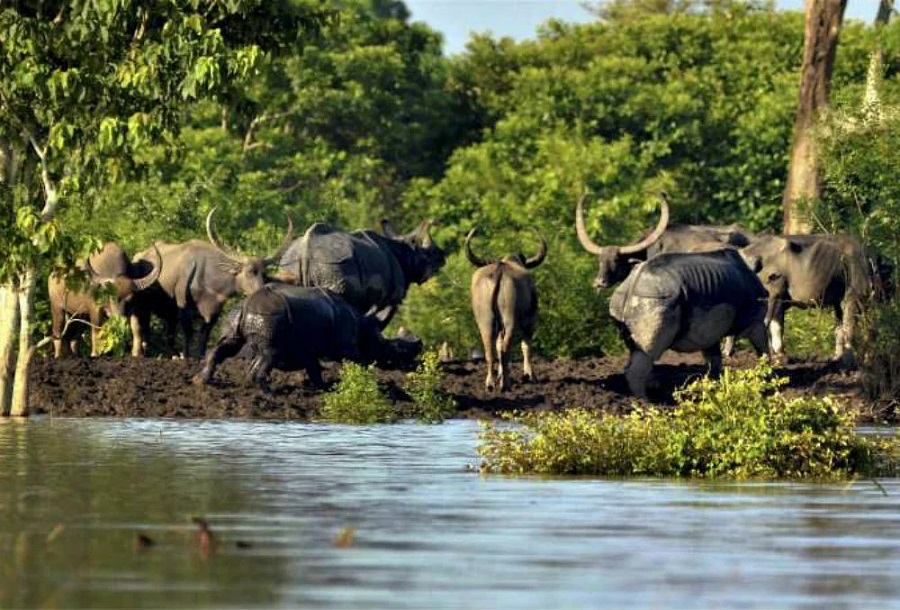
(128, 387)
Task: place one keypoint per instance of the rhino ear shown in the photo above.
(795, 247)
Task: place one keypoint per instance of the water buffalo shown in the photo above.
(371, 271)
(108, 267)
(505, 304)
(292, 327)
(687, 302)
(614, 263)
(813, 270)
(196, 279)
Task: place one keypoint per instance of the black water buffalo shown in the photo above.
(110, 268)
(291, 327)
(196, 279)
(813, 270)
(371, 271)
(687, 302)
(614, 263)
(505, 305)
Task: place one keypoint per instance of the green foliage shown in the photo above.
(739, 426)
(356, 399)
(878, 353)
(431, 404)
(809, 333)
(115, 336)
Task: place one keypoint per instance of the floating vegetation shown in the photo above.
(738, 426)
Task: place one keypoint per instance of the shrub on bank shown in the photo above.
(356, 398)
(739, 426)
(430, 403)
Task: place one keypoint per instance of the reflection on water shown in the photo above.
(75, 494)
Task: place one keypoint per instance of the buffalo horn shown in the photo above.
(657, 232)
(285, 244)
(211, 234)
(583, 237)
(473, 258)
(537, 259)
(388, 229)
(142, 283)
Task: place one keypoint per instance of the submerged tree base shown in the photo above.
(739, 426)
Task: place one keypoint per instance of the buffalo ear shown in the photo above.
(230, 266)
(754, 263)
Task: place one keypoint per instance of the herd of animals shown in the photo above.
(682, 287)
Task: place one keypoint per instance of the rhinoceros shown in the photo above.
(291, 327)
(109, 266)
(196, 280)
(813, 271)
(505, 305)
(687, 302)
(371, 271)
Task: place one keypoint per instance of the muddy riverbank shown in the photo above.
(126, 387)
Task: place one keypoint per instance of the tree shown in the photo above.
(823, 23)
(85, 88)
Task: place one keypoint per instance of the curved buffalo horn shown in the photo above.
(537, 259)
(473, 258)
(142, 283)
(657, 232)
(583, 237)
(285, 244)
(424, 233)
(211, 234)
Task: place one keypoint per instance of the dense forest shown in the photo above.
(349, 112)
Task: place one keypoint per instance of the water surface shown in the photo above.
(75, 495)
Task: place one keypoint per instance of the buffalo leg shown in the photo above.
(728, 346)
(58, 316)
(96, 323)
(185, 320)
(138, 326)
(759, 339)
(526, 360)
(504, 345)
(487, 343)
(776, 333)
(843, 331)
(637, 371)
(203, 336)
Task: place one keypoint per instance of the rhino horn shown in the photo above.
(211, 234)
(657, 232)
(537, 259)
(474, 258)
(586, 242)
(388, 229)
(285, 244)
(142, 283)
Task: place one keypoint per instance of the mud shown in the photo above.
(127, 387)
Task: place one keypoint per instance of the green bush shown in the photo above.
(356, 399)
(739, 426)
(431, 403)
(809, 333)
(878, 352)
(115, 336)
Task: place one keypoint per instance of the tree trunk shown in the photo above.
(823, 23)
(9, 327)
(19, 406)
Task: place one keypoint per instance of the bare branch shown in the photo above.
(249, 144)
(51, 197)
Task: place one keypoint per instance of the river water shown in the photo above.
(419, 529)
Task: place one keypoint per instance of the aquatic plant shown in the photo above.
(357, 399)
(738, 426)
(430, 403)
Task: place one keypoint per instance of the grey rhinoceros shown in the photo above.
(289, 327)
(687, 302)
(371, 271)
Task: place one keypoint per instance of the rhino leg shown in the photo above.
(713, 357)
(314, 373)
(260, 367)
(227, 347)
(637, 372)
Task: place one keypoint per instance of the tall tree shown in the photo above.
(871, 100)
(85, 86)
(823, 24)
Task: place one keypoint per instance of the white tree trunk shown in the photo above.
(19, 406)
(9, 327)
